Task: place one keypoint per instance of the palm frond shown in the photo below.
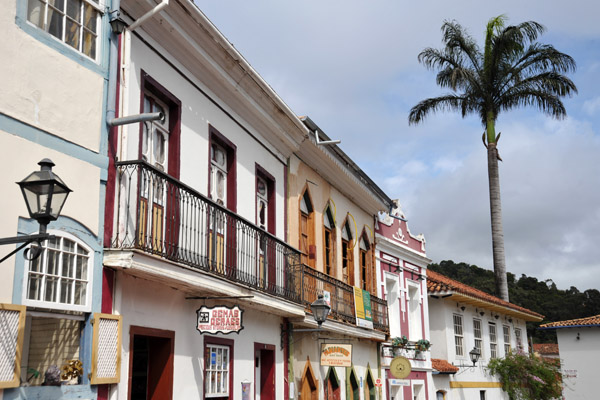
(435, 104)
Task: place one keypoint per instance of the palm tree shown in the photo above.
(513, 71)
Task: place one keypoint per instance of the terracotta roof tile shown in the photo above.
(443, 366)
(438, 283)
(588, 321)
(545, 348)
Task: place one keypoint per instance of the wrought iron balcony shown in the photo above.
(342, 298)
(160, 215)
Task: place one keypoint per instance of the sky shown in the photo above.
(352, 67)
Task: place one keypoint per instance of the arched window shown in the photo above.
(307, 229)
(368, 278)
(60, 278)
(329, 242)
(347, 253)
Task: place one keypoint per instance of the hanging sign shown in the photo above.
(362, 308)
(219, 319)
(400, 367)
(336, 355)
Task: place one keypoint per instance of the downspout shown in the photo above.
(113, 66)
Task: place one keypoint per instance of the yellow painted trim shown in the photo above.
(465, 385)
(16, 381)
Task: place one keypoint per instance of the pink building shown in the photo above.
(402, 264)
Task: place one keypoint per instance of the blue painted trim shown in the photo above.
(64, 392)
(47, 139)
(100, 67)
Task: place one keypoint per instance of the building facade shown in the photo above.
(463, 320)
(332, 205)
(402, 269)
(52, 106)
(578, 341)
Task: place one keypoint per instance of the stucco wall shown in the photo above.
(149, 304)
(578, 348)
(196, 115)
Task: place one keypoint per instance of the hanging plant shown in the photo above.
(422, 345)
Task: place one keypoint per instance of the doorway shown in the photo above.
(264, 371)
(150, 363)
(309, 387)
(352, 385)
(332, 385)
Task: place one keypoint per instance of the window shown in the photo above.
(477, 334)
(518, 339)
(458, 335)
(482, 395)
(60, 277)
(506, 332)
(347, 250)
(307, 230)
(367, 272)
(53, 340)
(218, 359)
(493, 341)
(265, 200)
(329, 241)
(155, 135)
(222, 170)
(74, 22)
(415, 329)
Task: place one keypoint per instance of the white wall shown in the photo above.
(579, 362)
(149, 304)
(196, 115)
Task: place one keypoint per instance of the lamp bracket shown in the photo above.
(25, 239)
(285, 332)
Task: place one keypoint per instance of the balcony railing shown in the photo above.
(341, 298)
(160, 215)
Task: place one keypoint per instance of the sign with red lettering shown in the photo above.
(219, 319)
(336, 355)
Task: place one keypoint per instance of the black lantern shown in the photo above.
(320, 309)
(45, 194)
(117, 24)
(474, 354)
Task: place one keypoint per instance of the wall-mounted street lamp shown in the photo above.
(117, 24)
(474, 354)
(320, 310)
(45, 195)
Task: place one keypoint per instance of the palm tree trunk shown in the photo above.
(496, 216)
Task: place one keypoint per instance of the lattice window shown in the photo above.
(12, 331)
(506, 332)
(106, 353)
(217, 371)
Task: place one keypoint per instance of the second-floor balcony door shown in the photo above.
(153, 190)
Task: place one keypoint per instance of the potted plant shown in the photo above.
(398, 344)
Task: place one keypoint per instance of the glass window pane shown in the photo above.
(90, 18)
(53, 243)
(68, 261)
(51, 289)
(55, 23)
(66, 290)
(69, 245)
(74, 9)
(36, 11)
(89, 44)
(81, 270)
(52, 267)
(35, 287)
(80, 292)
(159, 146)
(59, 4)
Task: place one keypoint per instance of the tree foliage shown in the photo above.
(527, 377)
(540, 296)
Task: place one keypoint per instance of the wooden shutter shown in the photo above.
(106, 350)
(12, 332)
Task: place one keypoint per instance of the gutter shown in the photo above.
(570, 326)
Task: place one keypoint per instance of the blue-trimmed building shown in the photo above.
(53, 95)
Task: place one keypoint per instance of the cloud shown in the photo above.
(352, 66)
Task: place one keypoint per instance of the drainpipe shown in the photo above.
(113, 65)
(149, 14)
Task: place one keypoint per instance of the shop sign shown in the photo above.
(219, 319)
(362, 306)
(400, 367)
(336, 355)
(399, 382)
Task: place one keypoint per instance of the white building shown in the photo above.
(463, 319)
(402, 262)
(578, 344)
(53, 91)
